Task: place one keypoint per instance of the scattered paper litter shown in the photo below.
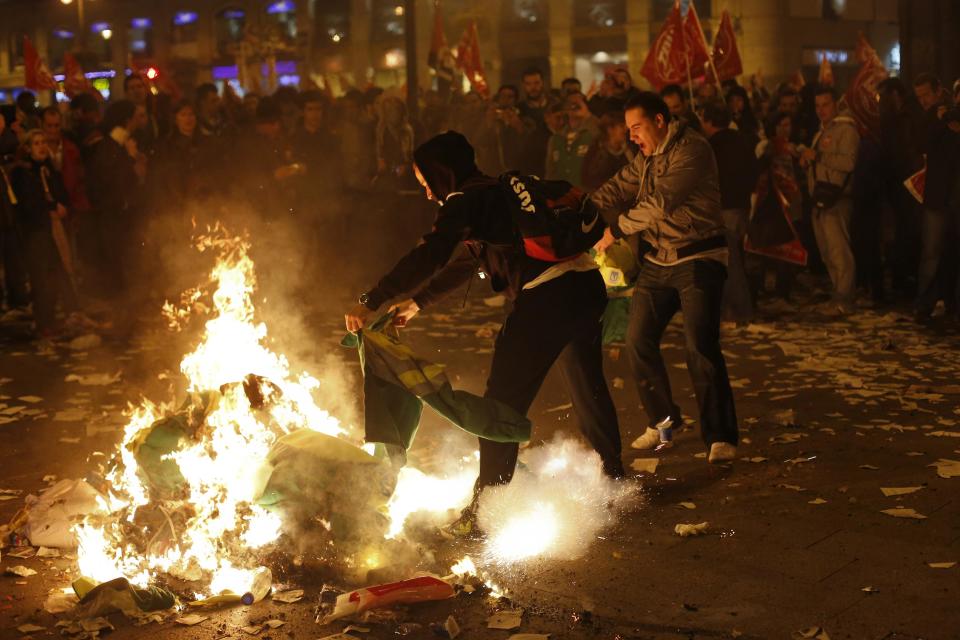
(505, 620)
(22, 553)
(91, 625)
(944, 434)
(48, 552)
(869, 467)
(93, 379)
(899, 491)
(813, 633)
(30, 628)
(274, 623)
(59, 602)
(82, 343)
(645, 465)
(191, 620)
(254, 629)
(30, 399)
(451, 627)
(941, 565)
(288, 597)
(817, 501)
(688, 505)
(530, 636)
(904, 512)
(560, 407)
(73, 414)
(685, 530)
(786, 438)
(947, 468)
(755, 459)
(495, 301)
(870, 590)
(22, 571)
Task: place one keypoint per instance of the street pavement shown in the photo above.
(832, 411)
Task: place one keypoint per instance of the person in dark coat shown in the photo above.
(41, 198)
(114, 185)
(737, 166)
(14, 290)
(556, 312)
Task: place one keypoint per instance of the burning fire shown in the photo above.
(220, 463)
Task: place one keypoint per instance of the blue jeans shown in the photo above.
(933, 275)
(736, 292)
(696, 288)
(832, 230)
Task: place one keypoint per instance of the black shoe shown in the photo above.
(614, 470)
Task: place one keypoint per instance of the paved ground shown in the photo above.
(831, 412)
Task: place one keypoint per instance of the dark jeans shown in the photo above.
(14, 274)
(696, 288)
(48, 278)
(557, 321)
(936, 278)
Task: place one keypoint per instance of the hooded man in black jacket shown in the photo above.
(557, 307)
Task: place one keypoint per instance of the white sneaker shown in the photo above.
(649, 440)
(722, 452)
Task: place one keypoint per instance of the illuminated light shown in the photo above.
(601, 57)
(336, 37)
(106, 34)
(63, 34)
(465, 567)
(417, 492)
(182, 18)
(525, 536)
(394, 58)
(67, 1)
(233, 14)
(141, 23)
(398, 10)
(152, 73)
(281, 6)
(97, 27)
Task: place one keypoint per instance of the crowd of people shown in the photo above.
(83, 181)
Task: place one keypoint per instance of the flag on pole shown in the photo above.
(666, 62)
(726, 56)
(861, 97)
(825, 78)
(916, 184)
(696, 43)
(74, 82)
(440, 57)
(37, 75)
(468, 59)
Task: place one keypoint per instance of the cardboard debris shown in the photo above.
(20, 570)
(451, 627)
(685, 530)
(947, 468)
(904, 512)
(288, 597)
(941, 565)
(254, 629)
(899, 491)
(191, 619)
(30, 628)
(48, 552)
(645, 465)
(506, 620)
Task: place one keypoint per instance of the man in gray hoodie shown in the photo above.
(829, 164)
(670, 196)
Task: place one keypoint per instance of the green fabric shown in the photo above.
(619, 267)
(396, 383)
(616, 318)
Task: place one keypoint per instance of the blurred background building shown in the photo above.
(260, 42)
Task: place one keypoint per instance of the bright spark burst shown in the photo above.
(526, 535)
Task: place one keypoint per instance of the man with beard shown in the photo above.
(534, 108)
(557, 306)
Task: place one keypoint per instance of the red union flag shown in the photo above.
(74, 82)
(37, 75)
(726, 56)
(696, 43)
(468, 59)
(667, 61)
(861, 97)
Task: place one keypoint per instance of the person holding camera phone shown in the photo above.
(829, 164)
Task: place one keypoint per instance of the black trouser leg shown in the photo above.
(544, 321)
(654, 303)
(42, 262)
(14, 272)
(700, 284)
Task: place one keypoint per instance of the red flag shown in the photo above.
(696, 43)
(74, 82)
(438, 43)
(726, 56)
(37, 75)
(468, 59)
(826, 72)
(667, 61)
(917, 183)
(861, 97)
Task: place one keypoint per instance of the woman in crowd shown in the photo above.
(41, 208)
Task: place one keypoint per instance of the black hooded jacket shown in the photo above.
(477, 211)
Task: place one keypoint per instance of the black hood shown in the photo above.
(446, 161)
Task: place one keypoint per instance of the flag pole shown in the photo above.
(703, 36)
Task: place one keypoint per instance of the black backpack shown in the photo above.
(557, 221)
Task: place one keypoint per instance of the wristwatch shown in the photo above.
(364, 299)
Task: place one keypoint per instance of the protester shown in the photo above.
(556, 306)
(151, 130)
(940, 220)
(670, 195)
(570, 86)
(741, 113)
(395, 139)
(85, 117)
(737, 172)
(66, 159)
(184, 165)
(534, 108)
(608, 153)
(357, 142)
(42, 202)
(676, 101)
(615, 90)
(14, 292)
(26, 114)
(830, 164)
(568, 147)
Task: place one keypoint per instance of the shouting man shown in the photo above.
(557, 306)
(670, 195)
